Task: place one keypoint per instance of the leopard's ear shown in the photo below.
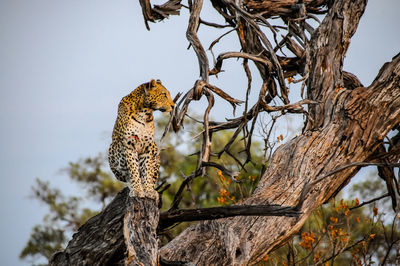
(149, 86)
(152, 83)
(159, 81)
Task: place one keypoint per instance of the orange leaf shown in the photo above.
(333, 219)
(356, 202)
(317, 256)
(221, 200)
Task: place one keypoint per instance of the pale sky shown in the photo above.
(64, 65)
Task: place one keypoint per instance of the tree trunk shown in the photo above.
(124, 233)
(140, 225)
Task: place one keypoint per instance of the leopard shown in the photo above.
(133, 154)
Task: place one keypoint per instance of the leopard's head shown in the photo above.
(158, 97)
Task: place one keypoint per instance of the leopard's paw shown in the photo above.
(152, 194)
(139, 193)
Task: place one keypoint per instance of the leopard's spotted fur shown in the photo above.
(133, 155)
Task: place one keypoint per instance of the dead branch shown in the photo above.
(191, 35)
(222, 57)
(159, 12)
(369, 201)
(167, 219)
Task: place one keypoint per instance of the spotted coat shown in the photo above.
(133, 154)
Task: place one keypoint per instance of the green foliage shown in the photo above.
(91, 174)
(44, 240)
(67, 213)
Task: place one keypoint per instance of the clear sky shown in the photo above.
(64, 65)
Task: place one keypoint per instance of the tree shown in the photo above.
(345, 128)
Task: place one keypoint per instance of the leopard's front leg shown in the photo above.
(135, 183)
(151, 164)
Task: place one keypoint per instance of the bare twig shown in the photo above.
(370, 201)
(291, 108)
(307, 187)
(168, 126)
(178, 195)
(206, 144)
(232, 175)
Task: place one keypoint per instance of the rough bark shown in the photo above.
(140, 225)
(124, 233)
(100, 241)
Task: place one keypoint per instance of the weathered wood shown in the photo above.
(284, 7)
(124, 233)
(191, 35)
(140, 225)
(100, 241)
(159, 12)
(188, 215)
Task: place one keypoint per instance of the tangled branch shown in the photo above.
(285, 56)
